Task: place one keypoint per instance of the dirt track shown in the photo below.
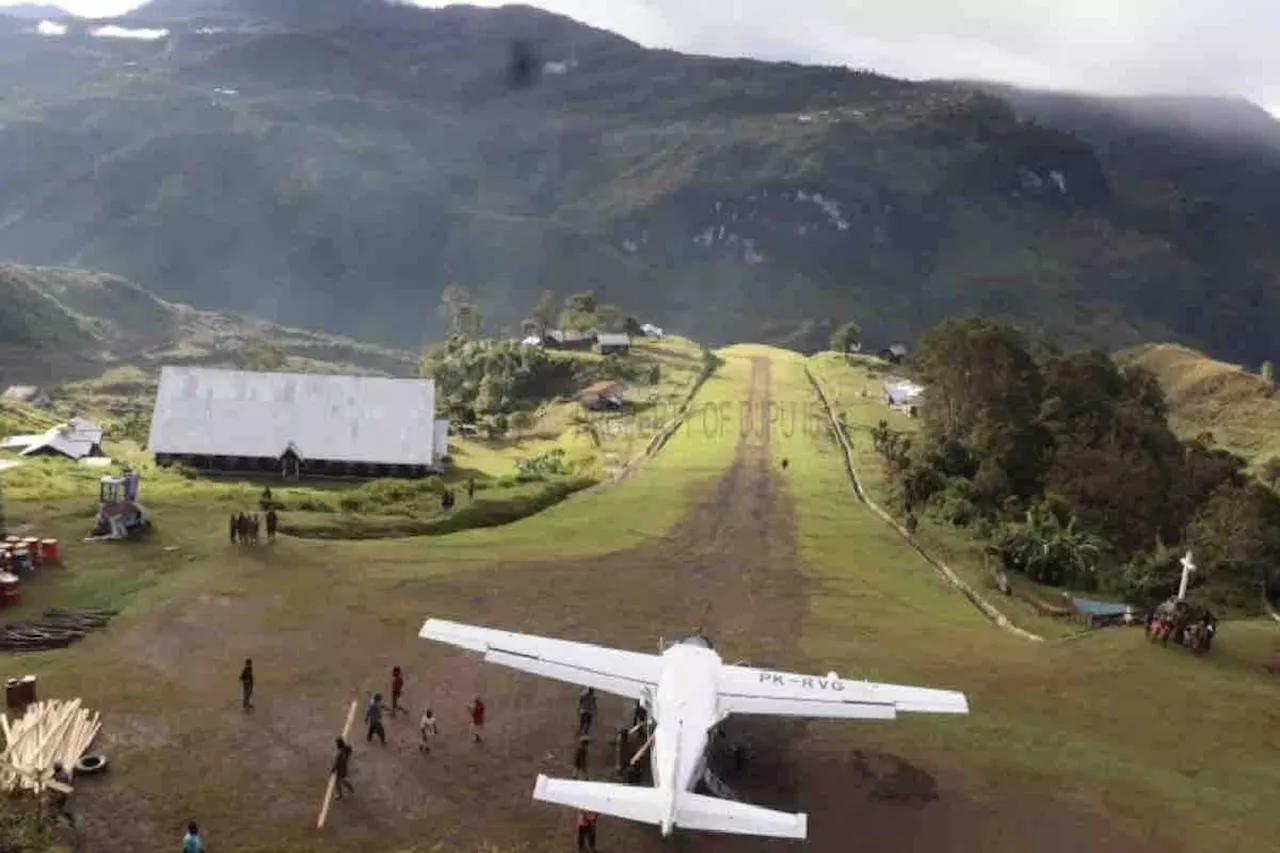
(730, 568)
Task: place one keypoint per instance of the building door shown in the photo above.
(290, 466)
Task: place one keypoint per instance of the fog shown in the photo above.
(1095, 45)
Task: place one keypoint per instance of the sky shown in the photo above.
(1112, 46)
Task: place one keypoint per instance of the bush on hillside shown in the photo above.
(1069, 462)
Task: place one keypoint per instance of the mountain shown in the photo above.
(35, 11)
(336, 163)
(60, 324)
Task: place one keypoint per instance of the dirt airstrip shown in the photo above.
(255, 780)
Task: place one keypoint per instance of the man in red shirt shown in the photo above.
(397, 688)
(587, 832)
(476, 709)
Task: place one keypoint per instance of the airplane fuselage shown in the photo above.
(684, 709)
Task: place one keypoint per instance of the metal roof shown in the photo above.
(603, 388)
(613, 339)
(77, 439)
(375, 420)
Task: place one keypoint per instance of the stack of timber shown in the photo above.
(57, 629)
(49, 732)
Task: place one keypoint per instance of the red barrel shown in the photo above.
(32, 544)
(29, 689)
(49, 551)
(13, 693)
(10, 589)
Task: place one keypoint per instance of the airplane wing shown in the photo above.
(615, 671)
(746, 690)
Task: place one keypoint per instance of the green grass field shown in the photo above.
(856, 390)
(1161, 740)
(1177, 750)
(1233, 403)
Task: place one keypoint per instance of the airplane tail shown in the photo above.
(650, 805)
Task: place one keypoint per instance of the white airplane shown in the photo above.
(688, 692)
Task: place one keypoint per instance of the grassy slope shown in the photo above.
(1230, 401)
(845, 384)
(1155, 737)
(599, 443)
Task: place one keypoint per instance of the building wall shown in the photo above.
(309, 468)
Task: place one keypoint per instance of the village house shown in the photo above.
(297, 425)
(569, 339)
(903, 395)
(76, 439)
(613, 343)
(29, 394)
(606, 394)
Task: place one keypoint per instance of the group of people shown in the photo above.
(628, 767)
(448, 497)
(1177, 620)
(428, 729)
(246, 529)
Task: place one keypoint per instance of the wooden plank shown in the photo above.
(328, 794)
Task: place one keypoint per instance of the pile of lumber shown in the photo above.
(48, 732)
(57, 629)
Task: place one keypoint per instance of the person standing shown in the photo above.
(192, 842)
(61, 798)
(341, 767)
(587, 832)
(246, 684)
(476, 709)
(471, 489)
(624, 752)
(273, 521)
(373, 717)
(397, 690)
(428, 730)
(586, 710)
(580, 758)
(233, 528)
(638, 716)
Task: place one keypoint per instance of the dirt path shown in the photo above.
(255, 780)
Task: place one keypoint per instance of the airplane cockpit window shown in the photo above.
(699, 640)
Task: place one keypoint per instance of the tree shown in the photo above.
(983, 391)
(846, 338)
(1048, 552)
(1271, 471)
(1236, 540)
(1268, 373)
(262, 356)
(582, 303)
(544, 313)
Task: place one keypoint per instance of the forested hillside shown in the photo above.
(336, 164)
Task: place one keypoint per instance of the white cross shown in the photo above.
(1188, 566)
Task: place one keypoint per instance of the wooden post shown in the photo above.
(328, 794)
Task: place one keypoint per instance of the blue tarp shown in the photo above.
(1099, 608)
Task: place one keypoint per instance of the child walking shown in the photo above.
(427, 728)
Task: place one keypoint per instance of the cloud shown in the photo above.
(1098, 45)
(49, 28)
(114, 32)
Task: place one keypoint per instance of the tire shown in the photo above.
(91, 764)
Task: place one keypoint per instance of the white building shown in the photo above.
(297, 424)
